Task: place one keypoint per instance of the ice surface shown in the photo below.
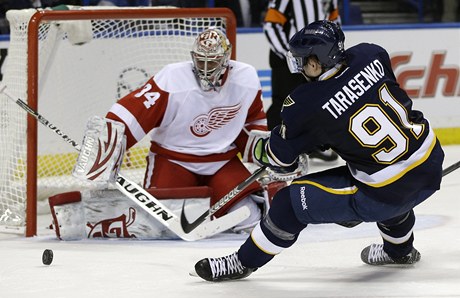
(324, 262)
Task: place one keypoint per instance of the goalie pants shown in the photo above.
(167, 174)
(334, 196)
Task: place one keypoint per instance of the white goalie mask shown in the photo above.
(210, 54)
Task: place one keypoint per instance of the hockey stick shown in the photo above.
(451, 168)
(143, 198)
(188, 227)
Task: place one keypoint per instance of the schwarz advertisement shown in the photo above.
(426, 62)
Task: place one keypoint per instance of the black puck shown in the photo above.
(47, 257)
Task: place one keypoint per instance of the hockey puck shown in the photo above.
(47, 257)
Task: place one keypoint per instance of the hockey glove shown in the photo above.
(260, 154)
(253, 136)
(297, 169)
(102, 151)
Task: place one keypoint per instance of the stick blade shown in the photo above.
(218, 225)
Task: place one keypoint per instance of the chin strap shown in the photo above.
(330, 72)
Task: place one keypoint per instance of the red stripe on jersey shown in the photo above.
(190, 157)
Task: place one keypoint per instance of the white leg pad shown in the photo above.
(109, 214)
(68, 216)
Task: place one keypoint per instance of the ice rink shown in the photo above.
(324, 262)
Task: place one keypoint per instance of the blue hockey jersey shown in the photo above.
(359, 110)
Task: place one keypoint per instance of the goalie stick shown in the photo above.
(188, 227)
(143, 198)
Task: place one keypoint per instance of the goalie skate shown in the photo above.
(375, 255)
(221, 269)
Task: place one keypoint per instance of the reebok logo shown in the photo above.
(303, 198)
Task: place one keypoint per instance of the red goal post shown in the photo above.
(77, 63)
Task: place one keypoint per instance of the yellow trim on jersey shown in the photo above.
(403, 172)
(343, 191)
(262, 242)
(274, 16)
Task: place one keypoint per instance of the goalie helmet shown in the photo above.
(210, 55)
(323, 39)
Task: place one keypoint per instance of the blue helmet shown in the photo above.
(324, 39)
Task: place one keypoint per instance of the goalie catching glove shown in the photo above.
(298, 168)
(102, 150)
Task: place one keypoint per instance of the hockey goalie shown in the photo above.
(203, 118)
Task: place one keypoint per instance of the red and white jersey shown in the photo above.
(197, 129)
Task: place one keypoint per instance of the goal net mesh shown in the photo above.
(85, 64)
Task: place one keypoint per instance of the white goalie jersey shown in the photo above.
(200, 130)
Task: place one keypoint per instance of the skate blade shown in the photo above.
(193, 273)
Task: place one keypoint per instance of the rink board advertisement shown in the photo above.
(426, 62)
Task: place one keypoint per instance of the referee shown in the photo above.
(283, 19)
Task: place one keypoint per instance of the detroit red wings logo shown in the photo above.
(113, 227)
(215, 119)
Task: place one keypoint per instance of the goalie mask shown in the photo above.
(210, 54)
(323, 39)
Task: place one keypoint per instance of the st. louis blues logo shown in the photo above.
(288, 101)
(215, 119)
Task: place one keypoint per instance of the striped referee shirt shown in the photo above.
(285, 17)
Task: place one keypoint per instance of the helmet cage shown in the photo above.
(210, 55)
(295, 64)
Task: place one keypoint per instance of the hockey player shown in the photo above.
(355, 106)
(199, 114)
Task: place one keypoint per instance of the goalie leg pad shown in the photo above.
(258, 205)
(102, 151)
(68, 215)
(109, 214)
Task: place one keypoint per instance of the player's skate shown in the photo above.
(223, 268)
(375, 255)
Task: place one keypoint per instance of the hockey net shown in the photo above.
(70, 65)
